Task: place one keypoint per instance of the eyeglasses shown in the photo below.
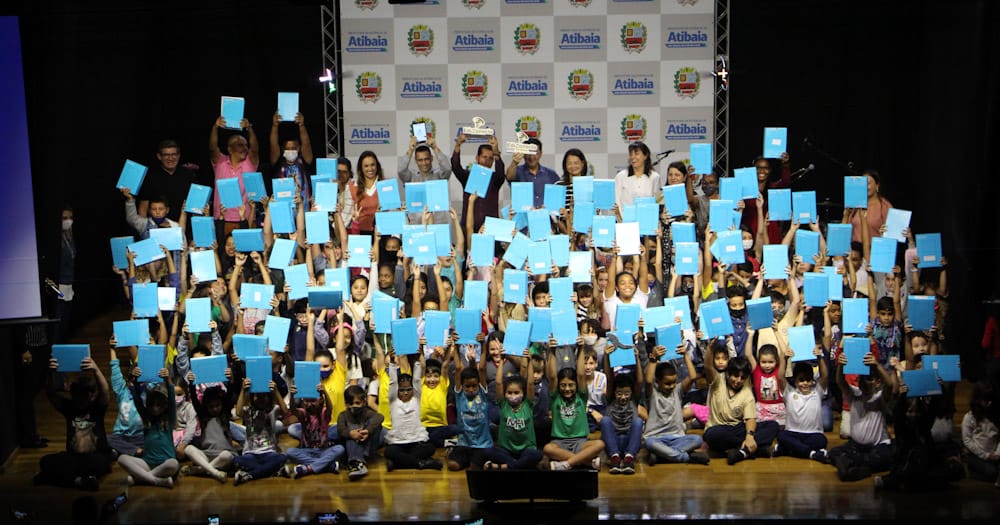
(405, 389)
(170, 154)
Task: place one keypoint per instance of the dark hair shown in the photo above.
(578, 154)
(641, 146)
(679, 166)
(540, 288)
(566, 373)
(346, 162)
(885, 303)
(515, 379)
(469, 373)
(479, 150)
(432, 364)
(767, 349)
(379, 175)
(594, 326)
(745, 266)
(495, 335)
(353, 392)
(300, 306)
(584, 290)
(736, 290)
(166, 143)
(624, 381)
(802, 370)
(535, 141)
(404, 378)
(772, 174)
(739, 365)
(979, 403)
(623, 274)
(323, 352)
(663, 369)
(423, 148)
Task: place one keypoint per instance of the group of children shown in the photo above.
(542, 404)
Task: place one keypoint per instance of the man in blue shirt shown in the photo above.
(532, 171)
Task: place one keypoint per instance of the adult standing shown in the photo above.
(169, 178)
(292, 157)
(532, 171)
(425, 171)
(878, 208)
(487, 157)
(766, 180)
(243, 157)
(364, 190)
(639, 179)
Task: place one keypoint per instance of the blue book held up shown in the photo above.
(686, 257)
(564, 328)
(479, 180)
(883, 254)
(307, 379)
(539, 225)
(540, 258)
(516, 338)
(946, 366)
(580, 264)
(522, 196)
(359, 248)
(856, 348)
(297, 277)
(775, 142)
(249, 240)
(476, 295)
(388, 222)
(928, 250)
(675, 199)
(288, 106)
(146, 251)
(437, 195)
(921, 383)
(747, 177)
(229, 192)
(554, 197)
(583, 215)
(232, 111)
(896, 221)
(855, 316)
(259, 373)
(838, 239)
(337, 278)
(204, 231)
(404, 336)
(775, 261)
(416, 196)
(515, 286)
(802, 340)
(816, 287)
(716, 316)
(283, 188)
(132, 333)
(541, 324)
(70, 357)
(559, 246)
(920, 311)
(759, 313)
(655, 316)
(253, 184)
(256, 295)
(701, 157)
(604, 194)
(502, 230)
(132, 176)
(384, 312)
(669, 337)
(804, 207)
(315, 180)
(561, 290)
(326, 166)
(856, 192)
(424, 248)
(648, 215)
(119, 249)
(835, 282)
(729, 189)
(145, 302)
(583, 189)
(806, 245)
(318, 227)
(682, 311)
(620, 357)
(627, 320)
(325, 197)
(603, 231)
(282, 216)
(517, 250)
(468, 324)
(324, 297)
(150, 361)
(683, 232)
(172, 238)
(282, 253)
(210, 369)
(437, 325)
(721, 215)
(779, 205)
(276, 331)
(729, 244)
(482, 250)
(199, 313)
(197, 199)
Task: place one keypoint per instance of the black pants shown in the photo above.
(28, 381)
(62, 468)
(408, 455)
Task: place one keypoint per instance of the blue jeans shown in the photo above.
(527, 459)
(319, 459)
(262, 465)
(673, 448)
(295, 430)
(358, 451)
(614, 443)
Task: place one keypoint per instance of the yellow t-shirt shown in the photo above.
(434, 404)
(334, 386)
(383, 398)
(731, 411)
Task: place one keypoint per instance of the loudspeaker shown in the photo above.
(564, 485)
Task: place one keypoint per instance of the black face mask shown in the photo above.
(357, 411)
(739, 314)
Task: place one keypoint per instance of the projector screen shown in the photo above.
(19, 283)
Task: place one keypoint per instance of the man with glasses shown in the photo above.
(243, 157)
(169, 179)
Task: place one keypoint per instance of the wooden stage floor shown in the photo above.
(762, 489)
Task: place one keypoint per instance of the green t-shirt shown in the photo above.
(569, 419)
(517, 427)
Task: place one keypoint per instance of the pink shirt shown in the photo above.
(224, 170)
(877, 212)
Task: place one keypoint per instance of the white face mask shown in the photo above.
(67, 224)
(291, 155)
(747, 244)
(590, 339)
(515, 400)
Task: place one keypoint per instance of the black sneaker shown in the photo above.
(764, 452)
(651, 458)
(358, 471)
(698, 458)
(429, 464)
(735, 455)
(843, 464)
(856, 473)
(389, 465)
(628, 465)
(88, 483)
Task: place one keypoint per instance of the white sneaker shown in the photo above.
(559, 465)
(596, 463)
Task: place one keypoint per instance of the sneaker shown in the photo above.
(299, 471)
(596, 463)
(167, 482)
(429, 464)
(764, 452)
(335, 467)
(559, 465)
(735, 455)
(776, 451)
(879, 484)
(651, 458)
(89, 483)
(389, 465)
(842, 464)
(220, 476)
(448, 443)
(285, 471)
(820, 455)
(358, 471)
(615, 464)
(857, 473)
(130, 481)
(241, 477)
(628, 465)
(698, 458)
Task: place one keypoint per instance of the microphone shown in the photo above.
(665, 153)
(799, 173)
(52, 286)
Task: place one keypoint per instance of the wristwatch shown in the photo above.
(751, 432)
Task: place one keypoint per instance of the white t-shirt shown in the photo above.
(611, 305)
(804, 412)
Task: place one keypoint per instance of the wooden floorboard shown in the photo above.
(761, 489)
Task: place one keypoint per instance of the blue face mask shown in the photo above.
(323, 374)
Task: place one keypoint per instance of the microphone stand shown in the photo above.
(848, 166)
(661, 156)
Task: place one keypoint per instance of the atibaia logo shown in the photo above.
(474, 85)
(421, 40)
(581, 84)
(633, 37)
(633, 128)
(470, 4)
(366, 4)
(579, 3)
(686, 82)
(530, 126)
(430, 125)
(527, 38)
(369, 86)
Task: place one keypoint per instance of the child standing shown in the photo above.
(158, 463)
(516, 448)
(570, 447)
(869, 448)
(665, 435)
(360, 427)
(803, 435)
(472, 419)
(260, 457)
